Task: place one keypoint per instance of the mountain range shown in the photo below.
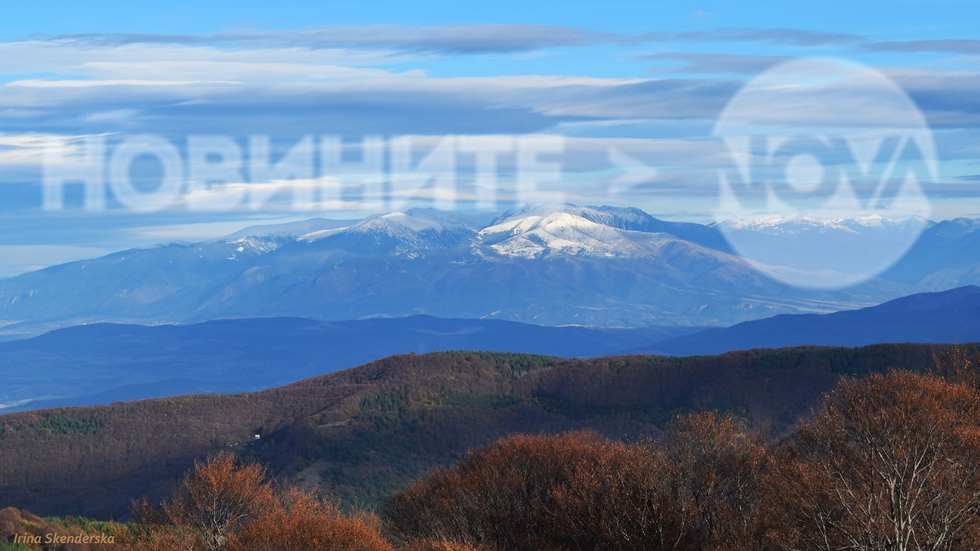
(544, 264)
(272, 304)
(105, 363)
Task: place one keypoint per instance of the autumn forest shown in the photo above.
(885, 457)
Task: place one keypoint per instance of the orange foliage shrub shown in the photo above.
(216, 497)
(224, 505)
(579, 491)
(301, 521)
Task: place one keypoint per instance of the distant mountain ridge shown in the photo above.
(944, 317)
(105, 363)
(550, 264)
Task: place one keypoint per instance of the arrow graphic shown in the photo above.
(636, 172)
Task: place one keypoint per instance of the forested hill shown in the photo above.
(361, 433)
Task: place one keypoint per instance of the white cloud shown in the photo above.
(441, 39)
(40, 83)
(231, 71)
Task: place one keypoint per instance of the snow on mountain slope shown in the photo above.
(404, 225)
(539, 235)
(397, 232)
(614, 217)
(629, 218)
(255, 244)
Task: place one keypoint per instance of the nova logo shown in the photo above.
(828, 163)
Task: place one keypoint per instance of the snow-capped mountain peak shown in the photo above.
(536, 234)
(406, 225)
(398, 232)
(616, 217)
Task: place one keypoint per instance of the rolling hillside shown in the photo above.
(361, 433)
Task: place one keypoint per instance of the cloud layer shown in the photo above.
(652, 95)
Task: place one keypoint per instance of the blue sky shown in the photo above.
(646, 80)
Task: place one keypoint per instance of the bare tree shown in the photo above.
(958, 364)
(891, 462)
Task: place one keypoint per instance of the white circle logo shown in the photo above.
(827, 163)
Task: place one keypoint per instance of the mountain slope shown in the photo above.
(945, 317)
